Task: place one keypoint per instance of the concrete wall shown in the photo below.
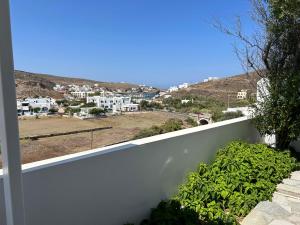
(120, 183)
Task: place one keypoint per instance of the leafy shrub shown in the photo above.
(241, 176)
(89, 104)
(145, 105)
(52, 110)
(190, 121)
(96, 111)
(171, 213)
(37, 109)
(72, 110)
(169, 126)
(220, 116)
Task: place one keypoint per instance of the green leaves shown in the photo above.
(241, 176)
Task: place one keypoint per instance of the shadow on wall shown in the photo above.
(270, 140)
(296, 145)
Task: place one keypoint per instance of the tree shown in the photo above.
(53, 111)
(273, 53)
(96, 112)
(37, 109)
(89, 104)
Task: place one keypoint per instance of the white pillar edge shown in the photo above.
(9, 132)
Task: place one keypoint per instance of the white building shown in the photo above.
(81, 94)
(262, 89)
(242, 94)
(113, 103)
(183, 86)
(185, 101)
(27, 106)
(173, 88)
(131, 107)
(59, 88)
(210, 79)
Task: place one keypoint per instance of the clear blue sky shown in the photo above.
(156, 42)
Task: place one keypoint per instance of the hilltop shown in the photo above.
(36, 84)
(222, 88)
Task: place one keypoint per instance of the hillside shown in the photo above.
(222, 88)
(32, 84)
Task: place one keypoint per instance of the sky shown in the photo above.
(153, 42)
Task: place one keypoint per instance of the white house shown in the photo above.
(184, 85)
(242, 94)
(210, 79)
(25, 107)
(184, 101)
(173, 88)
(113, 103)
(81, 94)
(131, 107)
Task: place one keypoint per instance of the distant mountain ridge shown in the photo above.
(36, 84)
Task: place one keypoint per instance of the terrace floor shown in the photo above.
(284, 209)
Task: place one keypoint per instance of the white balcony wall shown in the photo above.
(120, 183)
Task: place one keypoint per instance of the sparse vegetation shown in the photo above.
(149, 106)
(190, 121)
(196, 104)
(87, 105)
(97, 112)
(220, 116)
(169, 126)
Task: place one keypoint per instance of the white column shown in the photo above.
(9, 132)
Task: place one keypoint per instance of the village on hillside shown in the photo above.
(93, 101)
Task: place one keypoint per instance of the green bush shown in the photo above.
(37, 109)
(241, 176)
(97, 112)
(219, 116)
(190, 121)
(171, 213)
(89, 104)
(169, 126)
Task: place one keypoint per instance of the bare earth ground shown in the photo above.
(124, 127)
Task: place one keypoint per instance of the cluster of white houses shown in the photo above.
(110, 103)
(30, 106)
(113, 103)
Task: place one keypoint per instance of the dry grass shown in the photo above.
(125, 127)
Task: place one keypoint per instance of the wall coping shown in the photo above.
(121, 147)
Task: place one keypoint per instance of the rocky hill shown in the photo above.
(35, 84)
(223, 88)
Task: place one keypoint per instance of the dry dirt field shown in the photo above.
(124, 127)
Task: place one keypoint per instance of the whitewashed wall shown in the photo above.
(120, 183)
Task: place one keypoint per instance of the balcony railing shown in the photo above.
(120, 183)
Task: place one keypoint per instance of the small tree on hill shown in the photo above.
(97, 112)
